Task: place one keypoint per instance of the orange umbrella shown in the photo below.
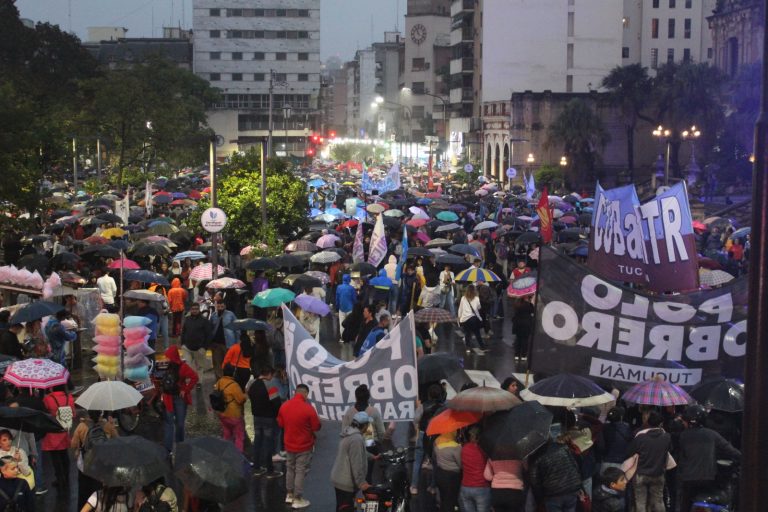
(451, 420)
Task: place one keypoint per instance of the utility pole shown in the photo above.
(263, 188)
(754, 492)
(98, 158)
(74, 162)
(269, 122)
(214, 204)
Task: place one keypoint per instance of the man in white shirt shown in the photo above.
(108, 290)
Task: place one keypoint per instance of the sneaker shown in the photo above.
(414, 490)
(300, 503)
(259, 472)
(40, 491)
(478, 351)
(274, 474)
(289, 498)
(278, 458)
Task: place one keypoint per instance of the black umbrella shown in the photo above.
(516, 433)
(120, 245)
(419, 251)
(111, 217)
(567, 390)
(35, 311)
(34, 262)
(391, 222)
(304, 281)
(65, 259)
(585, 219)
(721, 394)
(151, 249)
(250, 324)
(464, 249)
(146, 276)
(289, 261)
(529, 237)
(442, 366)
(568, 235)
(262, 264)
(211, 469)
(105, 251)
(28, 420)
(451, 259)
(126, 461)
(365, 269)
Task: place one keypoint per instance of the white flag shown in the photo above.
(378, 248)
(148, 198)
(122, 208)
(530, 187)
(358, 251)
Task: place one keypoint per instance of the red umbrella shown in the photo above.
(126, 264)
(194, 194)
(348, 224)
(416, 223)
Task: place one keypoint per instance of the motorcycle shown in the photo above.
(393, 495)
(722, 497)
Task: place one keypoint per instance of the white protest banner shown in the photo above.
(388, 369)
(378, 248)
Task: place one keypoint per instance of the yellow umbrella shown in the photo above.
(114, 233)
(348, 183)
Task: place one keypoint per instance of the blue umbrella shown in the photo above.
(314, 212)
(316, 183)
(381, 282)
(193, 255)
(35, 311)
(146, 276)
(424, 200)
(335, 212)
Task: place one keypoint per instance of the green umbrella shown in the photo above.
(272, 298)
(448, 216)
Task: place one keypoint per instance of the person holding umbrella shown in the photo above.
(14, 490)
(61, 406)
(195, 334)
(555, 477)
(107, 499)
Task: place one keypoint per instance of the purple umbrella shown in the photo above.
(312, 304)
(327, 241)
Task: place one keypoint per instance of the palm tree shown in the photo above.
(686, 94)
(630, 88)
(582, 134)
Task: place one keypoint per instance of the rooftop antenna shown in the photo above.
(69, 15)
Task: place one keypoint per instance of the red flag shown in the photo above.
(545, 217)
(431, 184)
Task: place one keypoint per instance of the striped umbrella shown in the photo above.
(226, 283)
(474, 274)
(657, 392)
(204, 271)
(434, 316)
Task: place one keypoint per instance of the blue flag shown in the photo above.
(403, 256)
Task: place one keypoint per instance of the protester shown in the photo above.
(195, 335)
(507, 484)
(239, 356)
(14, 491)
(364, 326)
(19, 455)
(433, 405)
(299, 421)
(91, 430)
(377, 333)
(222, 336)
(108, 290)
(58, 336)
(9, 341)
(555, 477)
(615, 439)
(177, 298)
(346, 296)
(61, 406)
(475, 494)
(652, 446)
(177, 384)
(265, 405)
(156, 496)
(348, 474)
(108, 499)
(232, 417)
(609, 496)
(471, 321)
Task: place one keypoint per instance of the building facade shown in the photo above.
(659, 31)
(247, 47)
(389, 59)
(737, 34)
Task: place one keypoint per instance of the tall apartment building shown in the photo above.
(659, 31)
(390, 59)
(335, 107)
(241, 46)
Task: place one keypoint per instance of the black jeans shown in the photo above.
(471, 328)
(345, 501)
(507, 500)
(449, 485)
(60, 461)
(263, 441)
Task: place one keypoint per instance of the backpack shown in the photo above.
(96, 435)
(11, 504)
(170, 382)
(154, 503)
(63, 414)
(217, 400)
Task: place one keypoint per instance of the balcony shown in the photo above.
(459, 6)
(467, 94)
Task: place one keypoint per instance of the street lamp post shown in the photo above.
(445, 108)
(563, 166)
(286, 116)
(691, 135)
(666, 135)
(380, 102)
(530, 160)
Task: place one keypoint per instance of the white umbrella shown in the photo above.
(713, 277)
(486, 224)
(325, 257)
(108, 395)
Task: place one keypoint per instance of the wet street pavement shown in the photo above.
(268, 495)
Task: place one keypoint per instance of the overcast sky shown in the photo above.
(346, 24)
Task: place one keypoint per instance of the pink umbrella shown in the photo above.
(126, 264)
(226, 283)
(420, 235)
(327, 241)
(36, 373)
(205, 271)
(245, 251)
(417, 223)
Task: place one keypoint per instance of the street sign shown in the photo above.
(511, 173)
(468, 168)
(213, 220)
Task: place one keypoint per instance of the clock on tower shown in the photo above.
(418, 33)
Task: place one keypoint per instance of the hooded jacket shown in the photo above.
(391, 267)
(195, 332)
(698, 451)
(346, 295)
(187, 378)
(349, 469)
(652, 448)
(177, 296)
(299, 422)
(554, 471)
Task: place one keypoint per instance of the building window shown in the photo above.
(418, 112)
(625, 52)
(686, 55)
(303, 34)
(237, 55)
(280, 13)
(303, 56)
(417, 64)
(214, 12)
(237, 77)
(687, 28)
(655, 4)
(709, 53)
(258, 77)
(214, 77)
(688, 4)
(654, 28)
(215, 34)
(654, 58)
(258, 56)
(569, 83)
(234, 13)
(303, 77)
(670, 55)
(417, 87)
(569, 56)
(280, 77)
(671, 4)
(215, 56)
(281, 56)
(571, 24)
(303, 13)
(671, 28)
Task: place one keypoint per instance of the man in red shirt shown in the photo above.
(521, 269)
(299, 422)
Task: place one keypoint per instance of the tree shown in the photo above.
(630, 88)
(581, 132)
(350, 152)
(239, 195)
(686, 94)
(152, 112)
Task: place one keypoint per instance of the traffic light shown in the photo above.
(310, 151)
(315, 139)
(332, 134)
